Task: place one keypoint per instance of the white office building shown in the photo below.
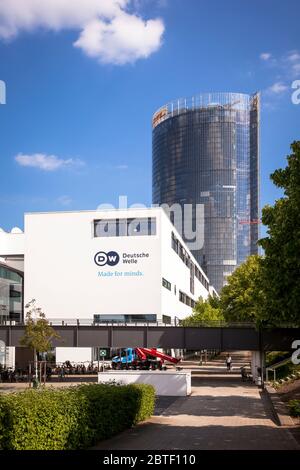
(126, 265)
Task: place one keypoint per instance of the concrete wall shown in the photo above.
(167, 383)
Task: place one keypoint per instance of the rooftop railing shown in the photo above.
(224, 101)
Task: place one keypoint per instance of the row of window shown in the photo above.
(127, 318)
(184, 298)
(6, 273)
(201, 278)
(125, 227)
(124, 318)
(178, 248)
(11, 289)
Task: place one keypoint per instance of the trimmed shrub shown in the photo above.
(146, 402)
(73, 417)
(294, 407)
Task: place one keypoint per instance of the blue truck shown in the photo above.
(141, 358)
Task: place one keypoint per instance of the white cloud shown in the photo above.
(265, 56)
(27, 15)
(64, 200)
(277, 88)
(288, 64)
(121, 167)
(107, 31)
(46, 162)
(292, 63)
(293, 56)
(125, 39)
(296, 68)
(286, 68)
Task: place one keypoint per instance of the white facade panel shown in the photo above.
(73, 355)
(61, 274)
(63, 277)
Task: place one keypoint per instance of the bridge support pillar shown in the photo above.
(257, 361)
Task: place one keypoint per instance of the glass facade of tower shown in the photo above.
(206, 151)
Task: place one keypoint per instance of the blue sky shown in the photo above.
(75, 131)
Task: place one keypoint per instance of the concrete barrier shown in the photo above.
(169, 383)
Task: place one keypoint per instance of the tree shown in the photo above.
(240, 299)
(38, 334)
(281, 264)
(204, 312)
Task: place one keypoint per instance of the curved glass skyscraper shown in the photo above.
(206, 151)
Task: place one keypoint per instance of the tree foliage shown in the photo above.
(281, 264)
(267, 289)
(38, 333)
(241, 298)
(206, 312)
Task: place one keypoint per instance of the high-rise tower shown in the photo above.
(206, 151)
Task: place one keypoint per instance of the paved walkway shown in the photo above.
(221, 413)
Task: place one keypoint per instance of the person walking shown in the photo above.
(62, 373)
(228, 362)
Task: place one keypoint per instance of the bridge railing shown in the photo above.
(173, 322)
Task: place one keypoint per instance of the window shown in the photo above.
(166, 283)
(125, 227)
(11, 287)
(174, 243)
(192, 277)
(121, 228)
(192, 285)
(195, 271)
(144, 226)
(105, 228)
(166, 319)
(124, 318)
(185, 299)
(201, 278)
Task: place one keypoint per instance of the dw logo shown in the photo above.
(111, 258)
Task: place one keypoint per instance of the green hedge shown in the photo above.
(73, 417)
(294, 407)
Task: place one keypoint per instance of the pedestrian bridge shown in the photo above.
(74, 333)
